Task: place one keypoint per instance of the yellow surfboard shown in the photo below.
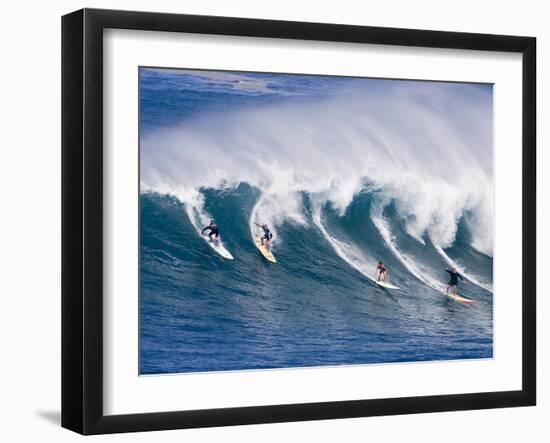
(457, 297)
(265, 252)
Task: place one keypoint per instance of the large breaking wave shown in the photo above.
(424, 155)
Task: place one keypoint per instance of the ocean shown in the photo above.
(347, 172)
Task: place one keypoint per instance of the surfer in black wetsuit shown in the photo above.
(267, 237)
(382, 271)
(213, 230)
(453, 281)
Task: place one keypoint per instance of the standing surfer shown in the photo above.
(453, 281)
(213, 230)
(382, 272)
(267, 237)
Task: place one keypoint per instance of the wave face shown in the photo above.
(346, 172)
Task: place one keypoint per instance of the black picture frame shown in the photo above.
(82, 220)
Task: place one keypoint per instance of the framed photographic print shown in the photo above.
(269, 221)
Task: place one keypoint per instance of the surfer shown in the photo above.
(453, 281)
(382, 272)
(213, 230)
(267, 237)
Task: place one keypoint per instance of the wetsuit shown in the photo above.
(454, 277)
(213, 231)
(267, 233)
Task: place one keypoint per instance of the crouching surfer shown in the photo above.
(382, 272)
(267, 237)
(453, 280)
(214, 231)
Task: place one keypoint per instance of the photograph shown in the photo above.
(291, 220)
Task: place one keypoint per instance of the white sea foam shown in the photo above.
(426, 147)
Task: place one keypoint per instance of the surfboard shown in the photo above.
(218, 246)
(265, 252)
(457, 297)
(386, 285)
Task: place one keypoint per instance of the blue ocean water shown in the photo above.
(318, 304)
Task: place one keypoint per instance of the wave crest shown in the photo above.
(428, 150)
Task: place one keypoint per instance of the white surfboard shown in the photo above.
(386, 285)
(268, 255)
(218, 246)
